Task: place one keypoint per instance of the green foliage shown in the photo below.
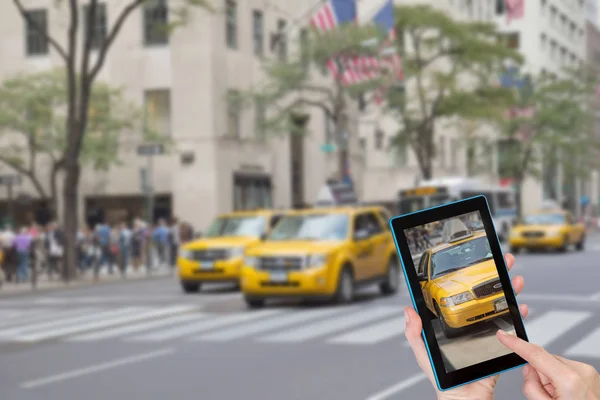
(450, 67)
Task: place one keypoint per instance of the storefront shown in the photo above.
(252, 191)
(116, 209)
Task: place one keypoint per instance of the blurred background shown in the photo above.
(149, 148)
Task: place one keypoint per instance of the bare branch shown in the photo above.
(111, 37)
(59, 49)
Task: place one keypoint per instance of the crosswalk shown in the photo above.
(355, 325)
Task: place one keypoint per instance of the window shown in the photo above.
(513, 41)
(98, 28)
(506, 200)
(552, 16)
(421, 269)
(543, 7)
(231, 24)
(379, 136)
(282, 42)
(158, 110)
(251, 192)
(367, 223)
(543, 41)
(156, 17)
(233, 114)
(35, 32)
(500, 7)
(260, 115)
(469, 6)
(258, 34)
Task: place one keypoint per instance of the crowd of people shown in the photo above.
(40, 249)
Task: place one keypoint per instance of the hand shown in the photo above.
(552, 377)
(480, 390)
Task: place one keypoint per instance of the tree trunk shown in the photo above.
(470, 160)
(518, 185)
(70, 217)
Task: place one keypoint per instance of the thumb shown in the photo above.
(532, 385)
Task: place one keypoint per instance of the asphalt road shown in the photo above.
(148, 340)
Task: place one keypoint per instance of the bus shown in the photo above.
(430, 193)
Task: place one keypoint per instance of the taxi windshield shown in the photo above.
(237, 226)
(460, 256)
(545, 219)
(311, 227)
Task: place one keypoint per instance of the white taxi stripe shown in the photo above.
(274, 323)
(332, 325)
(549, 326)
(127, 329)
(66, 318)
(202, 326)
(373, 334)
(588, 347)
(134, 316)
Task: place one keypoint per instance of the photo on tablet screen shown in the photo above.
(462, 289)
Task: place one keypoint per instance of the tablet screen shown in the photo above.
(461, 289)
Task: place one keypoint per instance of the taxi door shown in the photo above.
(572, 229)
(362, 247)
(380, 240)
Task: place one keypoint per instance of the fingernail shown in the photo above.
(526, 370)
(502, 333)
(406, 317)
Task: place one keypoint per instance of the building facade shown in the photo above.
(591, 189)
(220, 160)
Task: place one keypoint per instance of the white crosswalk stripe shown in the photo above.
(589, 346)
(374, 333)
(549, 326)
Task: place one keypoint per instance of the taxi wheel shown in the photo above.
(190, 287)
(565, 244)
(254, 302)
(345, 287)
(581, 244)
(449, 332)
(392, 281)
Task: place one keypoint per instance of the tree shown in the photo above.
(558, 131)
(32, 122)
(83, 62)
(448, 66)
(290, 90)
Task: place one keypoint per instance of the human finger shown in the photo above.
(518, 283)
(509, 259)
(532, 385)
(413, 330)
(524, 309)
(539, 358)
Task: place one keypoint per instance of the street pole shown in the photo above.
(11, 208)
(150, 210)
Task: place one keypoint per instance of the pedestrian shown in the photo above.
(9, 260)
(137, 244)
(22, 245)
(174, 241)
(55, 241)
(125, 240)
(160, 239)
(103, 238)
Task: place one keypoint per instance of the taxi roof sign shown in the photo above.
(455, 230)
(335, 193)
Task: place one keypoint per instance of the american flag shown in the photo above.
(515, 9)
(332, 14)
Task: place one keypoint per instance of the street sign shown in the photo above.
(10, 180)
(150, 149)
(328, 148)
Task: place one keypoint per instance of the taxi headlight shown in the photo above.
(235, 252)
(456, 299)
(251, 262)
(186, 254)
(315, 260)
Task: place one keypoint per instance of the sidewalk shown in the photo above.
(10, 289)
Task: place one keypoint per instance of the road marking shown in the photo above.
(333, 325)
(58, 320)
(201, 326)
(372, 334)
(398, 387)
(563, 298)
(96, 368)
(595, 297)
(274, 323)
(130, 317)
(549, 326)
(127, 329)
(588, 347)
(28, 316)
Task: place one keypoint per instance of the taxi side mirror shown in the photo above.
(263, 236)
(422, 278)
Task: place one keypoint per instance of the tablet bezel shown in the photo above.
(448, 380)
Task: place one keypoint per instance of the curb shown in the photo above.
(78, 285)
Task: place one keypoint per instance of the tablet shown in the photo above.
(460, 286)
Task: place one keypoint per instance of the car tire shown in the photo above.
(563, 247)
(581, 244)
(344, 293)
(392, 281)
(254, 302)
(448, 331)
(190, 287)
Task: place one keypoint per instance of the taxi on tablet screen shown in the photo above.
(460, 282)
(322, 252)
(217, 257)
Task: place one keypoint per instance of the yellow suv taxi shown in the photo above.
(460, 282)
(547, 229)
(323, 252)
(218, 256)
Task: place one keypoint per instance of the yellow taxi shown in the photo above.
(322, 253)
(460, 282)
(218, 256)
(547, 229)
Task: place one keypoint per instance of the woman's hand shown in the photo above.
(552, 377)
(480, 390)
